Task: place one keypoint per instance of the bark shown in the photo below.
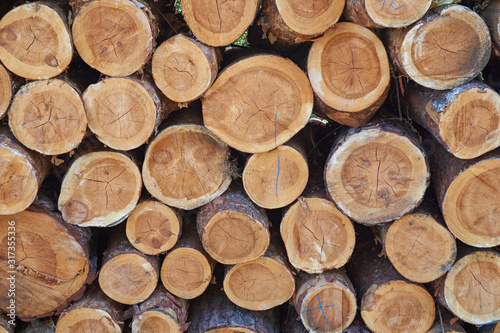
(39, 326)
(491, 15)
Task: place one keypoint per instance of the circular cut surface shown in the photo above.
(398, 307)
(100, 189)
(348, 67)
(275, 179)
(316, 235)
(471, 288)
(471, 207)
(328, 308)
(51, 264)
(181, 70)
(396, 13)
(155, 321)
(186, 273)
(219, 23)
(264, 100)
(48, 116)
(19, 182)
(128, 278)
(113, 36)
(196, 161)
(232, 237)
(382, 176)
(420, 249)
(87, 320)
(471, 124)
(153, 227)
(310, 17)
(433, 59)
(5, 90)
(260, 284)
(35, 42)
(121, 112)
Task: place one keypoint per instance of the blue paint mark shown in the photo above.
(396, 8)
(277, 177)
(318, 308)
(323, 312)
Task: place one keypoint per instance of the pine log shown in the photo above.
(419, 245)
(493, 328)
(5, 325)
(465, 120)
(124, 112)
(470, 290)
(153, 227)
(467, 192)
(35, 42)
(349, 72)
(326, 302)
(48, 116)
(276, 178)
(45, 325)
(263, 283)
(232, 229)
(219, 23)
(213, 312)
(186, 165)
(127, 275)
(425, 52)
(187, 269)
(295, 22)
(264, 100)
(95, 312)
(161, 312)
(100, 189)
(22, 172)
(49, 259)
(375, 13)
(389, 303)
(316, 234)
(5, 90)
(376, 173)
(184, 69)
(116, 37)
(491, 16)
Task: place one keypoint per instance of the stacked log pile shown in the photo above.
(249, 166)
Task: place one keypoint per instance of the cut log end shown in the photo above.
(35, 42)
(197, 164)
(156, 321)
(121, 112)
(232, 237)
(128, 278)
(420, 248)
(431, 59)
(184, 69)
(186, 272)
(471, 288)
(349, 72)
(48, 116)
(114, 37)
(470, 212)
(275, 179)
(309, 18)
(382, 174)
(471, 124)
(264, 100)
(5, 91)
(396, 307)
(317, 235)
(88, 192)
(153, 227)
(219, 23)
(260, 284)
(87, 320)
(396, 14)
